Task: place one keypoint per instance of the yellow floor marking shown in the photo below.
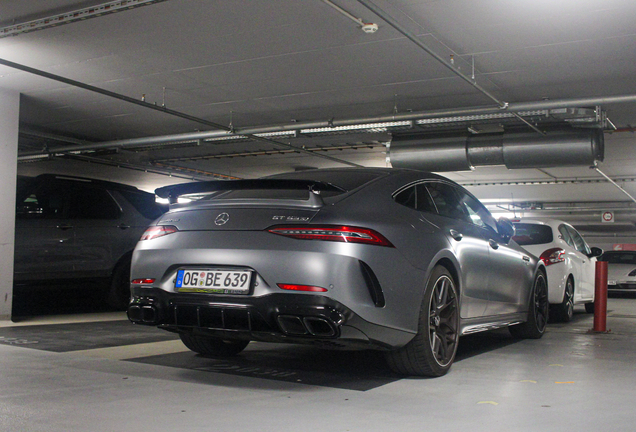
(134, 351)
(529, 381)
(487, 402)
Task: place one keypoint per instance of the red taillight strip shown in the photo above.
(553, 256)
(156, 231)
(294, 287)
(145, 281)
(339, 233)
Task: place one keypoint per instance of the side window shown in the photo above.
(407, 197)
(416, 197)
(424, 200)
(566, 235)
(447, 201)
(579, 243)
(478, 213)
(90, 202)
(48, 201)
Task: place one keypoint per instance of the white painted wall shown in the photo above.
(9, 117)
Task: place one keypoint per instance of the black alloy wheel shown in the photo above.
(432, 351)
(565, 310)
(538, 311)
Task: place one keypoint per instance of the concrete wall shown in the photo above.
(9, 118)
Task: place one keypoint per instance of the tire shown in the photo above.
(565, 311)
(589, 308)
(432, 351)
(119, 292)
(213, 347)
(538, 310)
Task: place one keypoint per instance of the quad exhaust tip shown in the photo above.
(142, 314)
(306, 326)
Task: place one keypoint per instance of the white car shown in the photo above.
(569, 261)
(621, 271)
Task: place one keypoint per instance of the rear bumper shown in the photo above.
(621, 286)
(281, 317)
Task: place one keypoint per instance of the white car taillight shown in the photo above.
(553, 256)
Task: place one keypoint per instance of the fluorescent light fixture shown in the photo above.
(76, 15)
(287, 133)
(369, 127)
(478, 117)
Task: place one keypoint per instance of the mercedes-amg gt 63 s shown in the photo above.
(396, 260)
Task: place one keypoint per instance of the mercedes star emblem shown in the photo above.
(222, 219)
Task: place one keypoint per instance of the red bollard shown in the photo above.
(600, 297)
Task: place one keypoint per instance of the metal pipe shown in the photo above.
(194, 136)
(224, 129)
(614, 183)
(413, 38)
(344, 12)
(397, 26)
(108, 93)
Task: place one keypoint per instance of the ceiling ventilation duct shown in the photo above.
(444, 152)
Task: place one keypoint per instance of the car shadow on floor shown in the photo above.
(352, 370)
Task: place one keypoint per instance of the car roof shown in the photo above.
(107, 184)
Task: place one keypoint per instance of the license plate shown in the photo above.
(214, 281)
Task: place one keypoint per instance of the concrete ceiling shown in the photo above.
(260, 63)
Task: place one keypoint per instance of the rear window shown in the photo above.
(531, 234)
(144, 203)
(619, 257)
(347, 180)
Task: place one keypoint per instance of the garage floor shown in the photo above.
(97, 372)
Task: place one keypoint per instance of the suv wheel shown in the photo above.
(119, 292)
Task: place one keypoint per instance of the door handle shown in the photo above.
(493, 244)
(123, 226)
(456, 235)
(64, 227)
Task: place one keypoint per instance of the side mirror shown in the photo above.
(506, 229)
(596, 252)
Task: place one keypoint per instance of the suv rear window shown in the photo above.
(619, 257)
(144, 203)
(531, 234)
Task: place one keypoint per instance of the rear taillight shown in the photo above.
(145, 281)
(158, 231)
(338, 233)
(294, 287)
(553, 256)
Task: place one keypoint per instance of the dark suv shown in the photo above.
(78, 228)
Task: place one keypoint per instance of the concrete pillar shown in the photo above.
(9, 118)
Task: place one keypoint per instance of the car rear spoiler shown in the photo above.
(313, 187)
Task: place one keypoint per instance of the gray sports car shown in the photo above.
(397, 260)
